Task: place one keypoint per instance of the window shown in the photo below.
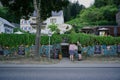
(7, 30)
(34, 19)
(25, 28)
(53, 20)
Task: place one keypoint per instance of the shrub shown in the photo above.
(13, 40)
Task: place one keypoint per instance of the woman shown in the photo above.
(72, 48)
(79, 50)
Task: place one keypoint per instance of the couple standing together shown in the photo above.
(73, 48)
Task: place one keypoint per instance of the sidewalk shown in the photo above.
(66, 63)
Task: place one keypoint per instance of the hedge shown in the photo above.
(13, 40)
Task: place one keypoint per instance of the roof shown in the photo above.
(53, 13)
(103, 29)
(59, 13)
(16, 25)
(6, 22)
(87, 28)
(34, 13)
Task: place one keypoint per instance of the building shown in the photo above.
(113, 30)
(56, 18)
(25, 25)
(102, 30)
(5, 26)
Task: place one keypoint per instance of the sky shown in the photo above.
(86, 3)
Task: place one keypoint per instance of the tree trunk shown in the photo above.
(38, 26)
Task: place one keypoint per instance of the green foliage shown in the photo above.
(18, 8)
(103, 12)
(91, 14)
(56, 39)
(101, 3)
(3, 11)
(73, 38)
(14, 40)
(23, 8)
(96, 16)
(44, 40)
(53, 27)
(72, 10)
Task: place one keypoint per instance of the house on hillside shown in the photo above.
(25, 25)
(6, 26)
(56, 18)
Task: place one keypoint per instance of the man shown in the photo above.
(79, 51)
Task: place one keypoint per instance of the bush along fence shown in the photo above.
(13, 41)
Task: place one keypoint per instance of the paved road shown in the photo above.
(39, 73)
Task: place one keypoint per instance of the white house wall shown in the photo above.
(58, 16)
(2, 29)
(59, 20)
(25, 25)
(8, 29)
(5, 26)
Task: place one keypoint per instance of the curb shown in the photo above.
(60, 66)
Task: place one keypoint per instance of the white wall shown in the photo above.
(59, 20)
(25, 25)
(5, 26)
(2, 30)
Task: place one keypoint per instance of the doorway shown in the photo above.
(65, 49)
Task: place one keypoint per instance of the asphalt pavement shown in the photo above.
(33, 73)
(64, 70)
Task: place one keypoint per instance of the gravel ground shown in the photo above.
(43, 60)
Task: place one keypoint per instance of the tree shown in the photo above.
(3, 12)
(72, 10)
(101, 3)
(18, 8)
(53, 27)
(43, 11)
(43, 8)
